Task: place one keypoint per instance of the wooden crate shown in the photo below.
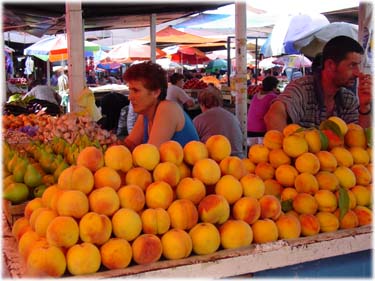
(13, 212)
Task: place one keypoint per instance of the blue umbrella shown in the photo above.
(216, 65)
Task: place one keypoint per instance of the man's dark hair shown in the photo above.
(269, 83)
(338, 47)
(175, 77)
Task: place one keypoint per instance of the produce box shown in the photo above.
(13, 212)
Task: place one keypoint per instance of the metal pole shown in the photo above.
(153, 37)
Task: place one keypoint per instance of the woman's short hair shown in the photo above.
(269, 83)
(210, 97)
(151, 74)
(175, 77)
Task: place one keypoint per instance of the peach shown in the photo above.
(249, 166)
(62, 231)
(207, 171)
(278, 157)
(32, 205)
(168, 172)
(345, 176)
(116, 253)
(50, 196)
(26, 242)
(273, 187)
(83, 258)
(131, 196)
(326, 200)
(362, 195)
(233, 165)
(327, 181)
(147, 248)
(264, 231)
(349, 220)
(290, 129)
(288, 227)
(273, 139)
(307, 183)
(340, 123)
(258, 153)
(171, 151)
(107, 176)
(294, 145)
(363, 213)
(307, 163)
(205, 238)
(183, 214)
(118, 157)
(286, 174)
(77, 178)
(194, 151)
(235, 234)
(192, 189)
(328, 221)
(355, 136)
(229, 187)
(327, 161)
(360, 155)
(34, 216)
(312, 137)
(305, 203)
(362, 174)
(20, 226)
(43, 220)
(252, 185)
(95, 228)
(139, 176)
(91, 157)
(270, 207)
(46, 261)
(155, 221)
(104, 200)
(247, 209)
(264, 170)
(288, 193)
(73, 203)
(146, 155)
(214, 208)
(159, 194)
(218, 147)
(343, 156)
(127, 224)
(176, 244)
(310, 224)
(184, 170)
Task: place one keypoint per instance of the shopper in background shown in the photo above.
(176, 92)
(62, 82)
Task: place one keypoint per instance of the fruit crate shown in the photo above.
(13, 212)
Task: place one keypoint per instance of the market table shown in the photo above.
(224, 263)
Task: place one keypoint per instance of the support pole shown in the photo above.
(153, 37)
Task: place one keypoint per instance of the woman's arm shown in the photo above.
(136, 135)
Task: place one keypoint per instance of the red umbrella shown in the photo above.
(186, 54)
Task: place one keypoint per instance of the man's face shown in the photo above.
(347, 70)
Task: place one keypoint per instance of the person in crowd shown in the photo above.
(175, 91)
(260, 103)
(43, 92)
(62, 82)
(313, 98)
(111, 105)
(91, 80)
(159, 120)
(54, 79)
(215, 120)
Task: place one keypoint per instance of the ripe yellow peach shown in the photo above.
(32, 205)
(327, 181)
(183, 214)
(288, 227)
(294, 145)
(307, 163)
(185, 170)
(83, 258)
(91, 157)
(192, 189)
(273, 187)
(76, 177)
(26, 242)
(328, 221)
(131, 196)
(233, 165)
(355, 136)
(349, 220)
(73, 203)
(20, 226)
(258, 153)
(116, 253)
(127, 224)
(343, 156)
(46, 261)
(273, 139)
(270, 207)
(139, 176)
(345, 176)
(34, 215)
(229, 187)
(50, 194)
(235, 234)
(168, 172)
(104, 200)
(249, 166)
(159, 194)
(253, 186)
(265, 170)
(360, 155)
(264, 231)
(362, 195)
(218, 147)
(326, 199)
(205, 238)
(313, 140)
(286, 174)
(305, 203)
(206, 170)
(247, 209)
(146, 155)
(43, 220)
(288, 193)
(95, 228)
(362, 174)
(363, 213)
(171, 151)
(107, 176)
(155, 221)
(62, 231)
(194, 151)
(327, 161)
(278, 157)
(214, 208)
(307, 183)
(310, 224)
(147, 248)
(176, 244)
(290, 129)
(118, 157)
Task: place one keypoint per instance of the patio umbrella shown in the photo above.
(55, 48)
(216, 65)
(293, 61)
(186, 54)
(267, 63)
(312, 43)
(168, 64)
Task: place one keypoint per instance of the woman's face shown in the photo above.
(141, 98)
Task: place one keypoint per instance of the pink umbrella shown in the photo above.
(294, 61)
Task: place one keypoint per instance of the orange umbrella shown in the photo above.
(186, 54)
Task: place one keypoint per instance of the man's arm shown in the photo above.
(276, 117)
